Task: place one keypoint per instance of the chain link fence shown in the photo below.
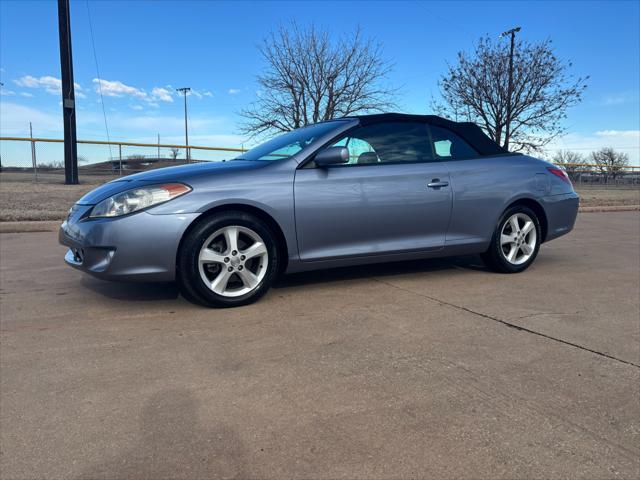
(42, 160)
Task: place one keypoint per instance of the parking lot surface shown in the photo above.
(429, 369)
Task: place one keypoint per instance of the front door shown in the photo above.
(391, 197)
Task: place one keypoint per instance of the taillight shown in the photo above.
(561, 174)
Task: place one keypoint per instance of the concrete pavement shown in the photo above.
(431, 369)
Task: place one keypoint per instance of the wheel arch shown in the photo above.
(281, 242)
(538, 209)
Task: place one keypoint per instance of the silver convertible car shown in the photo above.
(357, 190)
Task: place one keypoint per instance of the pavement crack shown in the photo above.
(509, 324)
(543, 314)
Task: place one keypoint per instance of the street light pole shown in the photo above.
(184, 91)
(507, 132)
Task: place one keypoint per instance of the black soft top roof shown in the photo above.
(471, 132)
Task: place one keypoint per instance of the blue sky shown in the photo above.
(146, 49)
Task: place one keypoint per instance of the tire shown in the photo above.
(227, 260)
(514, 246)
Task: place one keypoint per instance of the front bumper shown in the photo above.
(137, 247)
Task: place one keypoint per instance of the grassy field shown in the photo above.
(23, 199)
(49, 199)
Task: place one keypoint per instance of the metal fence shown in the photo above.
(42, 160)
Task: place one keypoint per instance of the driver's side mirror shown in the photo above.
(332, 156)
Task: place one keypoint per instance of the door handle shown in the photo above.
(436, 183)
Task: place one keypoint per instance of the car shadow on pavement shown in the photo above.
(145, 292)
(150, 292)
(174, 442)
(467, 262)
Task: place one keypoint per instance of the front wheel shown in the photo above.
(515, 242)
(227, 260)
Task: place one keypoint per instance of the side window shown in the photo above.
(448, 145)
(387, 143)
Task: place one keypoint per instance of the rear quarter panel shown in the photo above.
(482, 190)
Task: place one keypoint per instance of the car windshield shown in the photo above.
(287, 145)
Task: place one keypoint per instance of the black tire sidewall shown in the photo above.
(189, 275)
(497, 257)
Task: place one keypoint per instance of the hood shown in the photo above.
(182, 173)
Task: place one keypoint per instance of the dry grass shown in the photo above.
(21, 199)
(601, 197)
(49, 199)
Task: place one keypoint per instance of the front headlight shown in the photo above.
(136, 199)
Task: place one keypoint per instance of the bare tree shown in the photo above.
(174, 153)
(573, 163)
(476, 90)
(310, 79)
(609, 162)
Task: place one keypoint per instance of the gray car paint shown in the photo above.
(328, 217)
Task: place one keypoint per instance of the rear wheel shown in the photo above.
(515, 242)
(228, 260)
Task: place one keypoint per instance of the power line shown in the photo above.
(95, 58)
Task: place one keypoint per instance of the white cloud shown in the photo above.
(137, 107)
(619, 133)
(199, 94)
(26, 94)
(7, 93)
(50, 84)
(162, 94)
(234, 91)
(115, 88)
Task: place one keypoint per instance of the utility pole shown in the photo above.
(507, 132)
(184, 91)
(68, 95)
(1, 85)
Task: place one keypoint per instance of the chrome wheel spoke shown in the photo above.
(513, 253)
(248, 279)
(526, 249)
(507, 239)
(515, 227)
(211, 256)
(527, 227)
(219, 284)
(255, 250)
(231, 238)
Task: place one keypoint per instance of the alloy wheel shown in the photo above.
(233, 261)
(518, 238)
